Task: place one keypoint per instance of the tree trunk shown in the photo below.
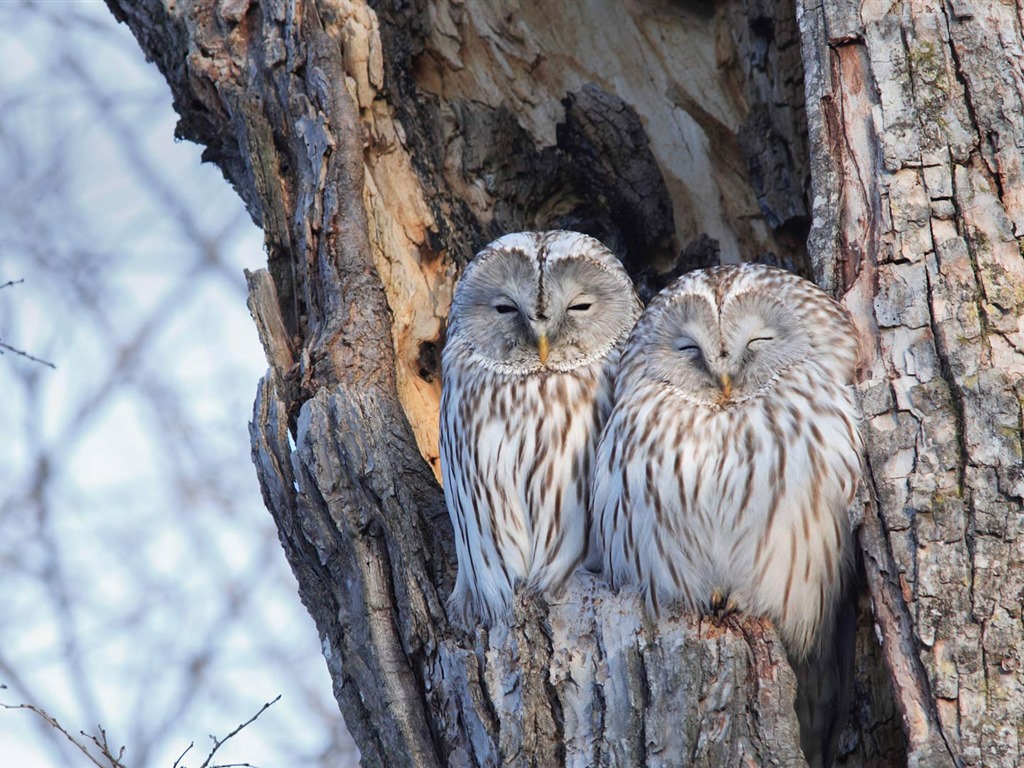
(379, 146)
(917, 124)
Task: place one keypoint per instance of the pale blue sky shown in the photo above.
(142, 587)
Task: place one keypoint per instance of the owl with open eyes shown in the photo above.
(537, 323)
(732, 454)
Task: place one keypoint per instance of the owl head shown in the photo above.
(534, 301)
(724, 335)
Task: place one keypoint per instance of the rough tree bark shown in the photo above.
(916, 115)
(379, 145)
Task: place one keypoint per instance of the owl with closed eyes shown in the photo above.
(537, 324)
(733, 453)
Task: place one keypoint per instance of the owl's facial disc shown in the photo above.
(720, 358)
(762, 338)
(521, 315)
(588, 308)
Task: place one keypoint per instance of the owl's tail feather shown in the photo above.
(468, 608)
(824, 684)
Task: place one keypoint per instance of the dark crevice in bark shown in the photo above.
(604, 147)
(956, 395)
(554, 702)
(986, 138)
(482, 643)
(868, 737)
(645, 691)
(773, 139)
(600, 757)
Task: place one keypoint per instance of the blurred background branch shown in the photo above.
(142, 586)
(5, 347)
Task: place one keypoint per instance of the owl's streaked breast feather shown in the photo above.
(701, 489)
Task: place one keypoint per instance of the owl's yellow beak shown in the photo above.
(542, 348)
(726, 383)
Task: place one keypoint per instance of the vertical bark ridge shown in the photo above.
(942, 406)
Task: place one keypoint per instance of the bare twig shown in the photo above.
(22, 353)
(104, 747)
(178, 761)
(114, 762)
(218, 743)
(15, 350)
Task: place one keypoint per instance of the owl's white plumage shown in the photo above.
(537, 324)
(733, 453)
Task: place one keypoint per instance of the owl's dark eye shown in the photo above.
(504, 309)
(583, 306)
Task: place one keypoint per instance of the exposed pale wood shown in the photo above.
(266, 313)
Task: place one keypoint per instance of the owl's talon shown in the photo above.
(731, 607)
(722, 605)
(717, 602)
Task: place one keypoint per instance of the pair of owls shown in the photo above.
(705, 448)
